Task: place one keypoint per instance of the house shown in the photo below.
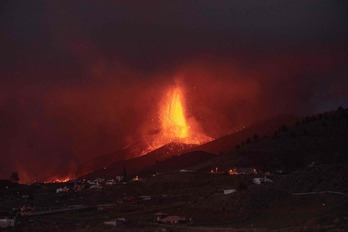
(78, 187)
(242, 171)
(119, 178)
(111, 223)
(117, 221)
(160, 215)
(185, 170)
(99, 180)
(261, 180)
(27, 210)
(145, 198)
(110, 182)
(129, 198)
(172, 220)
(6, 222)
(233, 172)
(62, 190)
(229, 191)
(91, 182)
(96, 187)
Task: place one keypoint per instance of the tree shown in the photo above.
(237, 147)
(320, 116)
(342, 113)
(307, 119)
(14, 178)
(340, 109)
(284, 128)
(256, 137)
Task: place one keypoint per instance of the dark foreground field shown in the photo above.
(294, 202)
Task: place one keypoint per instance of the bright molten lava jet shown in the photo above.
(172, 117)
(174, 124)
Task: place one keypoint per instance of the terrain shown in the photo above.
(305, 161)
(105, 167)
(138, 164)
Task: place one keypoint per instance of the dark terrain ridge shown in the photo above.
(136, 165)
(307, 160)
(218, 146)
(319, 139)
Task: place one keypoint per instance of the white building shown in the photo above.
(100, 180)
(185, 170)
(62, 190)
(4, 223)
(110, 182)
(145, 198)
(172, 220)
(229, 191)
(261, 180)
(118, 221)
(96, 187)
(91, 182)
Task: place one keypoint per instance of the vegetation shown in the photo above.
(14, 178)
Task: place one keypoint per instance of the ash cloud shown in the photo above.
(82, 79)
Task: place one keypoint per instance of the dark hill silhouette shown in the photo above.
(136, 165)
(100, 161)
(320, 139)
(261, 128)
(181, 161)
(131, 151)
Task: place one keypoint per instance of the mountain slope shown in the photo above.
(136, 165)
(218, 146)
(181, 161)
(265, 127)
(131, 151)
(321, 139)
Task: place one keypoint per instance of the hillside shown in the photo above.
(101, 161)
(221, 145)
(136, 165)
(319, 138)
(265, 127)
(181, 161)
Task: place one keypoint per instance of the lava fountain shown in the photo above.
(172, 117)
(174, 124)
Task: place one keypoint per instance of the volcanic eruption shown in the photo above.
(172, 117)
(175, 126)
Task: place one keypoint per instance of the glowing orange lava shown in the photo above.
(58, 180)
(172, 117)
(174, 124)
(62, 180)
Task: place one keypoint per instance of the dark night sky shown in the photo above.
(83, 78)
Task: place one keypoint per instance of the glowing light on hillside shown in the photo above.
(63, 180)
(58, 180)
